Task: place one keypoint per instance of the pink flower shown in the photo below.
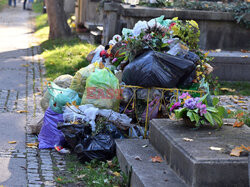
(176, 105)
(114, 60)
(184, 95)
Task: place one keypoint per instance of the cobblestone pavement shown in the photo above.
(21, 88)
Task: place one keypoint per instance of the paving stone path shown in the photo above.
(21, 88)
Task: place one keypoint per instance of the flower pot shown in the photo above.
(189, 123)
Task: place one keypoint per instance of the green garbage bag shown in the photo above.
(79, 80)
(102, 90)
(61, 96)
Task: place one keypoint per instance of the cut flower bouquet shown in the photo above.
(197, 110)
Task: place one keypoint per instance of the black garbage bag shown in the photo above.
(88, 147)
(100, 147)
(74, 134)
(155, 69)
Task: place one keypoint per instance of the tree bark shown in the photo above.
(58, 25)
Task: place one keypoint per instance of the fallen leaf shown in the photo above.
(138, 158)
(227, 89)
(81, 176)
(59, 179)
(32, 145)
(238, 123)
(244, 51)
(22, 111)
(229, 111)
(156, 159)
(117, 174)
(246, 148)
(188, 139)
(38, 93)
(244, 56)
(12, 142)
(215, 148)
(25, 65)
(110, 163)
(236, 151)
(145, 146)
(218, 50)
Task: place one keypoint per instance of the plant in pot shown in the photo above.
(196, 112)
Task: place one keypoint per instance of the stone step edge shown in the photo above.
(142, 170)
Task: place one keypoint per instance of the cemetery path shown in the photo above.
(21, 88)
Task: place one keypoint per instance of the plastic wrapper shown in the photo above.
(61, 96)
(97, 52)
(63, 81)
(88, 113)
(154, 69)
(79, 80)
(49, 135)
(102, 90)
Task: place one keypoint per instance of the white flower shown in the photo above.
(117, 38)
(139, 26)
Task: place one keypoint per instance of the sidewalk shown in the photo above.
(21, 79)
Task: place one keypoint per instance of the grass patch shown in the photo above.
(3, 3)
(95, 173)
(61, 56)
(37, 6)
(241, 88)
(65, 56)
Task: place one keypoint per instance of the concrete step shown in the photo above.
(194, 161)
(231, 65)
(144, 173)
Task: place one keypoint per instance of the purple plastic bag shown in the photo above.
(49, 135)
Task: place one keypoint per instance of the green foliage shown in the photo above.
(95, 173)
(37, 6)
(65, 56)
(3, 3)
(188, 32)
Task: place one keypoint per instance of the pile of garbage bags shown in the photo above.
(88, 111)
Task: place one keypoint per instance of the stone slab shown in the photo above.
(231, 66)
(144, 171)
(194, 161)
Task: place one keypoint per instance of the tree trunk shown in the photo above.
(57, 19)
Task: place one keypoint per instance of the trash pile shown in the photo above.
(88, 111)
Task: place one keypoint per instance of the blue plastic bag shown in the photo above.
(49, 135)
(61, 96)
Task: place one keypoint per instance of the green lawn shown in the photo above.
(3, 3)
(61, 56)
(237, 88)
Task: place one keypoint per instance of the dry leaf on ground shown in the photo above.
(188, 139)
(81, 176)
(237, 150)
(156, 159)
(22, 111)
(227, 89)
(12, 142)
(145, 146)
(215, 148)
(116, 174)
(32, 145)
(238, 123)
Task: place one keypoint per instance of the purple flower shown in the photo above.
(202, 108)
(190, 103)
(176, 105)
(184, 95)
(147, 37)
(114, 60)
